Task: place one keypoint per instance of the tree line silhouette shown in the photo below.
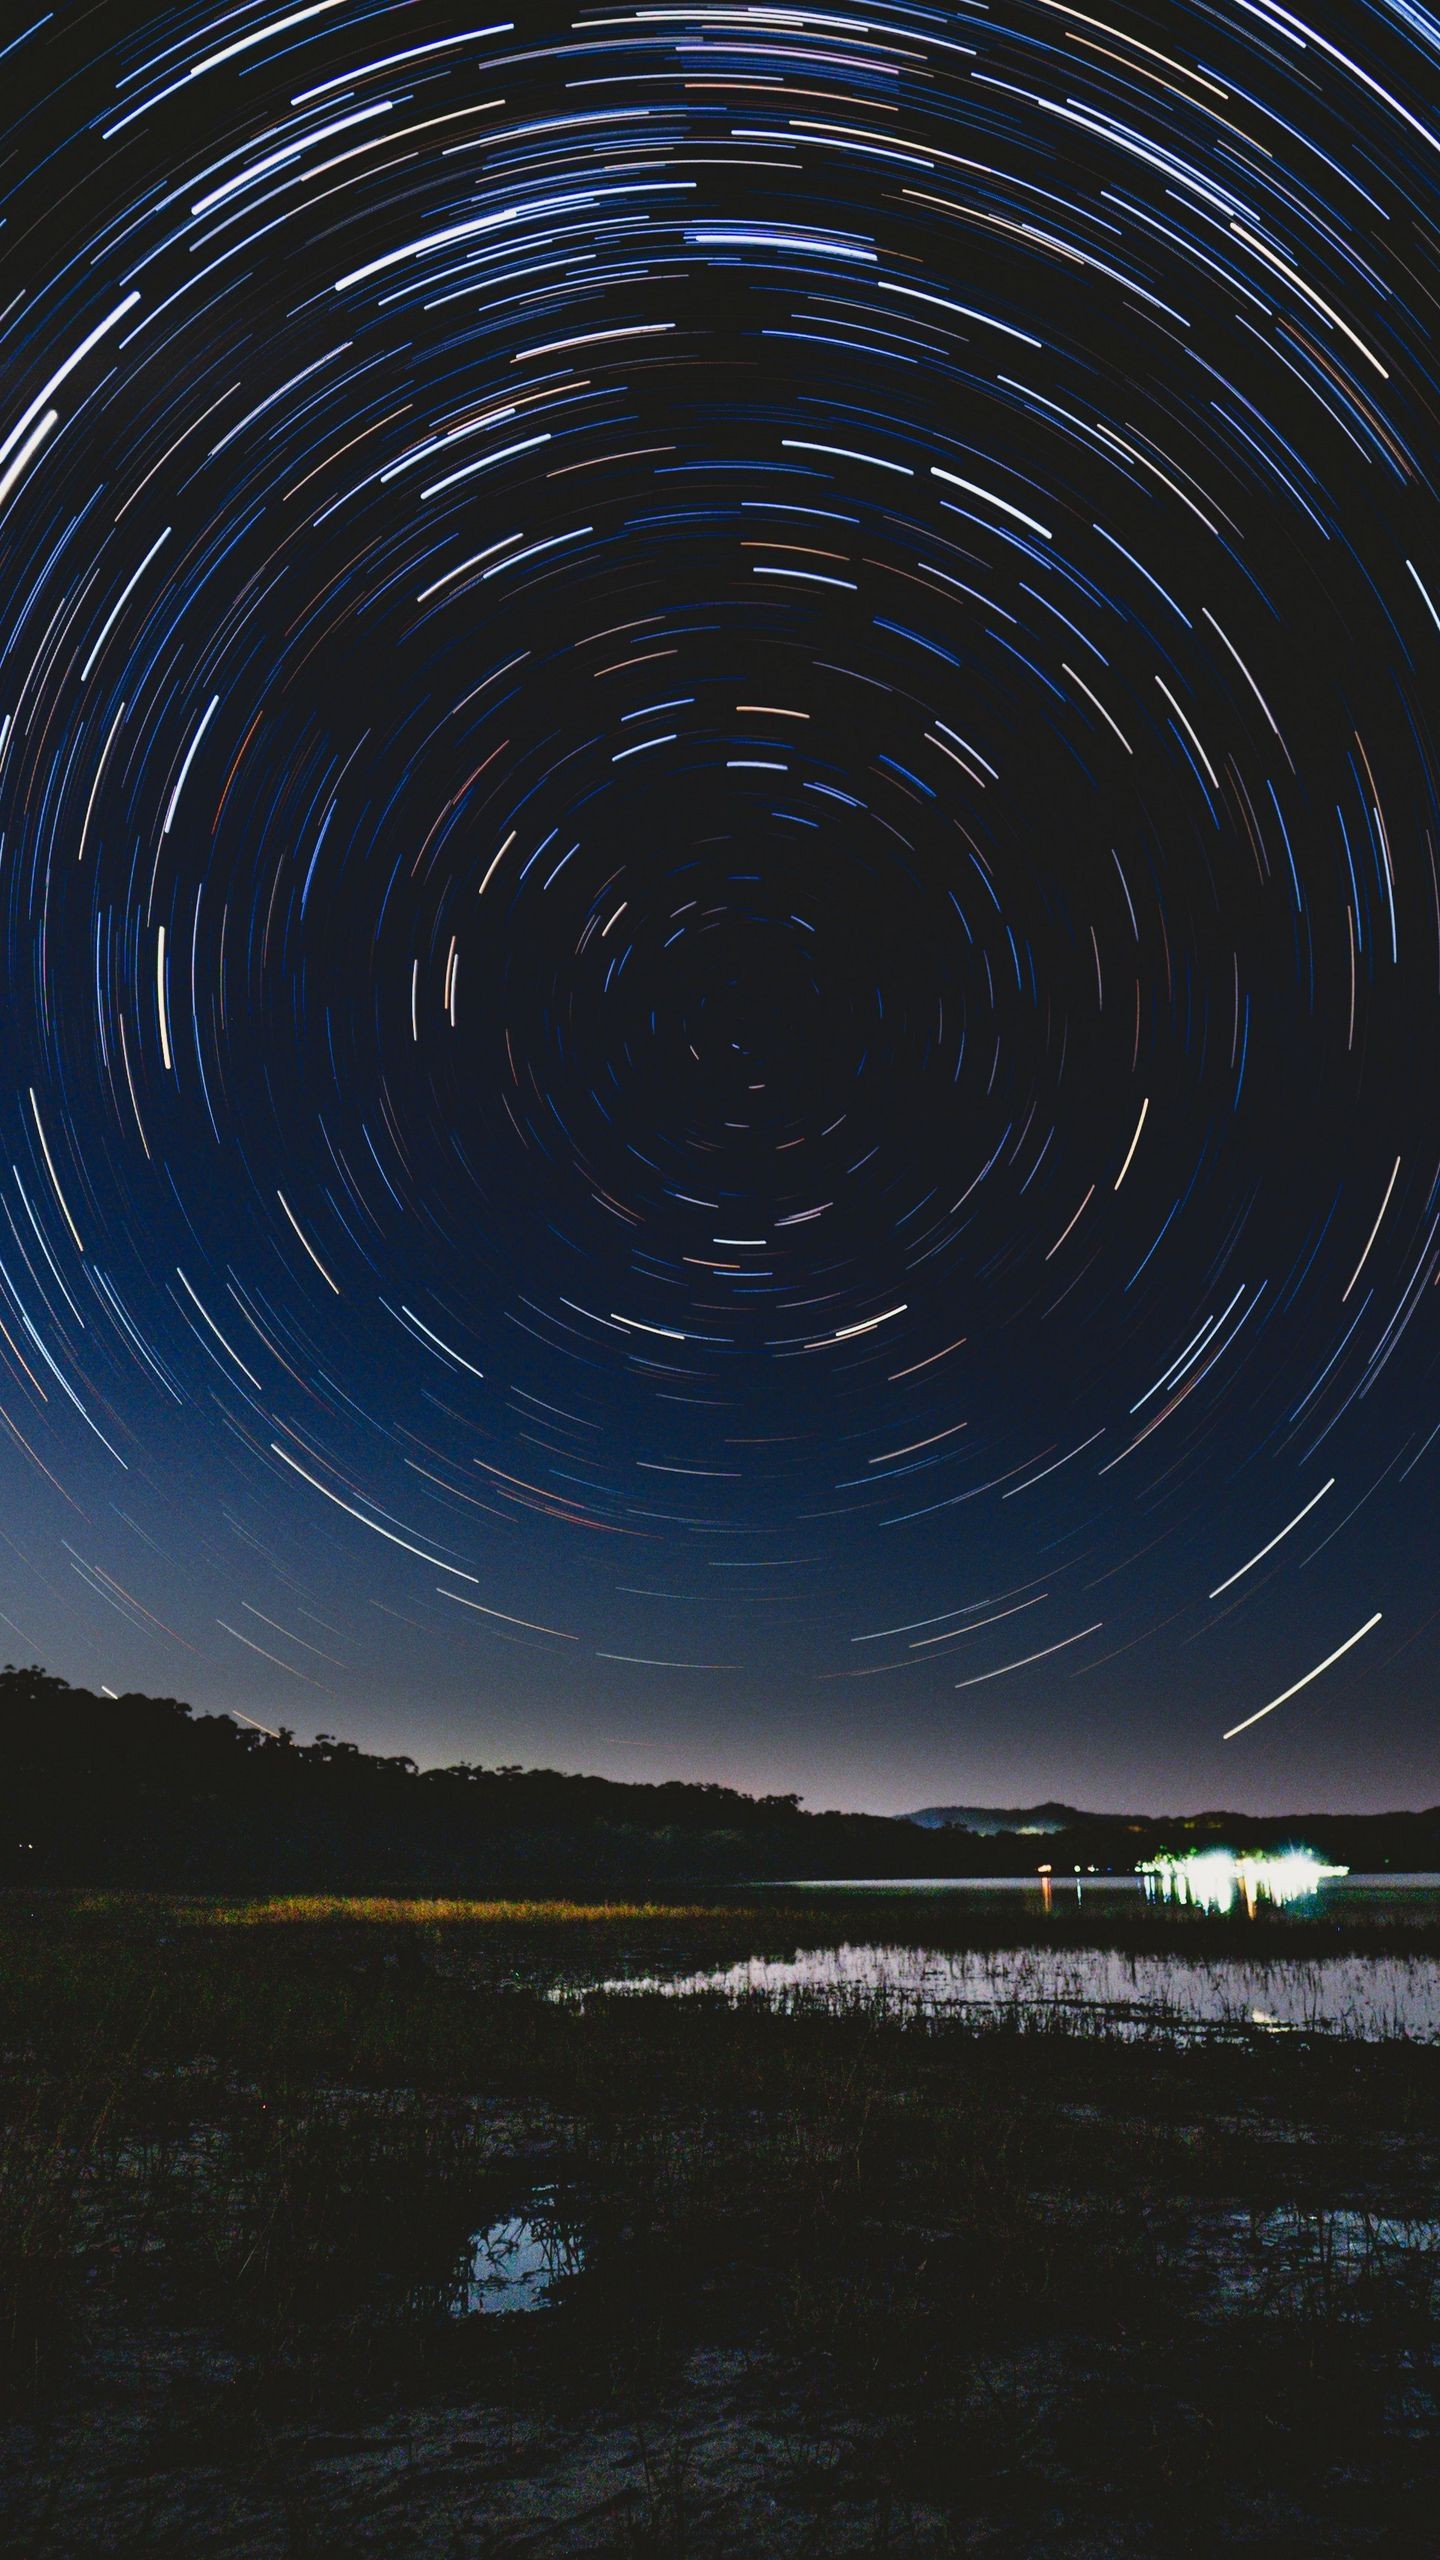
(143, 1792)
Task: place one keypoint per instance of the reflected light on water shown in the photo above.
(516, 2263)
(1212, 1879)
(1185, 1993)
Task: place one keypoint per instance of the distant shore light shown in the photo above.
(1211, 1878)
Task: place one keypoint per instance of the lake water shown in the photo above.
(1188, 1991)
(1348, 1897)
(1370, 1996)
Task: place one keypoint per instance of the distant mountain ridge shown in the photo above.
(990, 1839)
(985, 1820)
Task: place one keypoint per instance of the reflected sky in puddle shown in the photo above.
(1323, 2254)
(1357, 1995)
(517, 2262)
(1352, 2235)
(1293, 2256)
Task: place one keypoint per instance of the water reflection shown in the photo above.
(516, 2263)
(1317, 2257)
(1212, 1879)
(1371, 1997)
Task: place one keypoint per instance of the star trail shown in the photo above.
(719, 788)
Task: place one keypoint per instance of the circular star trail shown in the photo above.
(718, 773)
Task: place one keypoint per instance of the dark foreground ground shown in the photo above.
(821, 2286)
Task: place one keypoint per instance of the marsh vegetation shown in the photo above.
(806, 2282)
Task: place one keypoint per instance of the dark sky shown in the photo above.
(719, 870)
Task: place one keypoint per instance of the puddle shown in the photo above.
(517, 2262)
(1293, 2256)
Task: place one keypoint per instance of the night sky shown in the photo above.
(720, 855)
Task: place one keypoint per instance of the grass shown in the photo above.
(411, 1911)
(848, 2283)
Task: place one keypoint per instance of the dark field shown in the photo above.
(816, 2285)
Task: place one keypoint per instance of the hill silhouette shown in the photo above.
(987, 1818)
(143, 1792)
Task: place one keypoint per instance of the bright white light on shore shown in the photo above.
(1211, 1878)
